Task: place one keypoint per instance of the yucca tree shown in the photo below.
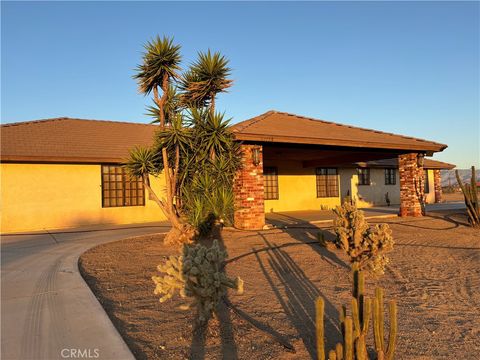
(207, 77)
(194, 147)
(161, 64)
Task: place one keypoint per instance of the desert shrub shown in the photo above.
(365, 245)
(198, 275)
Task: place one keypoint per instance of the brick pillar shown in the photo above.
(411, 185)
(248, 190)
(437, 181)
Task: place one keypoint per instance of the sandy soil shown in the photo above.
(434, 275)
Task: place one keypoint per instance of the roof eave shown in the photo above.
(429, 148)
(59, 160)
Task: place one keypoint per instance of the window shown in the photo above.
(327, 182)
(119, 189)
(270, 182)
(390, 177)
(363, 176)
(425, 179)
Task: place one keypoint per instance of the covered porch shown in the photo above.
(285, 155)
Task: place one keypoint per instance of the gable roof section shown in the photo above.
(70, 140)
(281, 127)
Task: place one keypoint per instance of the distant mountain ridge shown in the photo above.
(449, 178)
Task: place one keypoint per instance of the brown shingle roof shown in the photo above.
(72, 140)
(281, 127)
(65, 139)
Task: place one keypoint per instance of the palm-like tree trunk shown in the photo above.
(170, 179)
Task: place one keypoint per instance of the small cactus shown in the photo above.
(367, 246)
(470, 194)
(355, 332)
(197, 274)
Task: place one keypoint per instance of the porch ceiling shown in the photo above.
(314, 156)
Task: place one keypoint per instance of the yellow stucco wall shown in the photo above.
(58, 196)
(430, 196)
(373, 194)
(297, 189)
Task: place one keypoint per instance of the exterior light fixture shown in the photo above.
(420, 159)
(256, 156)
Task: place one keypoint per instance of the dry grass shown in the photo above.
(434, 275)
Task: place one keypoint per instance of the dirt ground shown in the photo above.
(434, 274)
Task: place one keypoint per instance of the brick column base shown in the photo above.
(249, 213)
(411, 185)
(437, 181)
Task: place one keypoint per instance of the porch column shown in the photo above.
(411, 185)
(249, 213)
(437, 180)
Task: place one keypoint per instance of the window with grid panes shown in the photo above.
(390, 177)
(327, 182)
(270, 183)
(363, 176)
(120, 189)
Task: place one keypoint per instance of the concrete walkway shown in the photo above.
(291, 218)
(47, 310)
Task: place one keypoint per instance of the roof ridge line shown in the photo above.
(257, 118)
(69, 118)
(358, 127)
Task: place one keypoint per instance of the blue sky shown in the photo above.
(405, 67)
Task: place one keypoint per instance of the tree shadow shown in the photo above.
(222, 314)
(298, 298)
(309, 233)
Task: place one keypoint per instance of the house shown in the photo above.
(63, 172)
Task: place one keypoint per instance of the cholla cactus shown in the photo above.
(197, 274)
(364, 245)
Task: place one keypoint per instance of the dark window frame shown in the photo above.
(390, 176)
(363, 178)
(326, 182)
(270, 183)
(119, 189)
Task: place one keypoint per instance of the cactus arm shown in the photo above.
(376, 325)
(380, 355)
(339, 351)
(367, 313)
(393, 331)
(356, 319)
(343, 315)
(379, 294)
(361, 348)
(470, 207)
(320, 307)
(348, 350)
(474, 190)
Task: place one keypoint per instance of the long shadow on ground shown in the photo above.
(298, 297)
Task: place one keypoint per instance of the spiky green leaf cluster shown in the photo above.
(365, 245)
(143, 161)
(206, 77)
(161, 58)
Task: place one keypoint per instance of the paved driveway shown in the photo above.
(48, 312)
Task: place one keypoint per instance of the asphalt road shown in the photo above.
(47, 310)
